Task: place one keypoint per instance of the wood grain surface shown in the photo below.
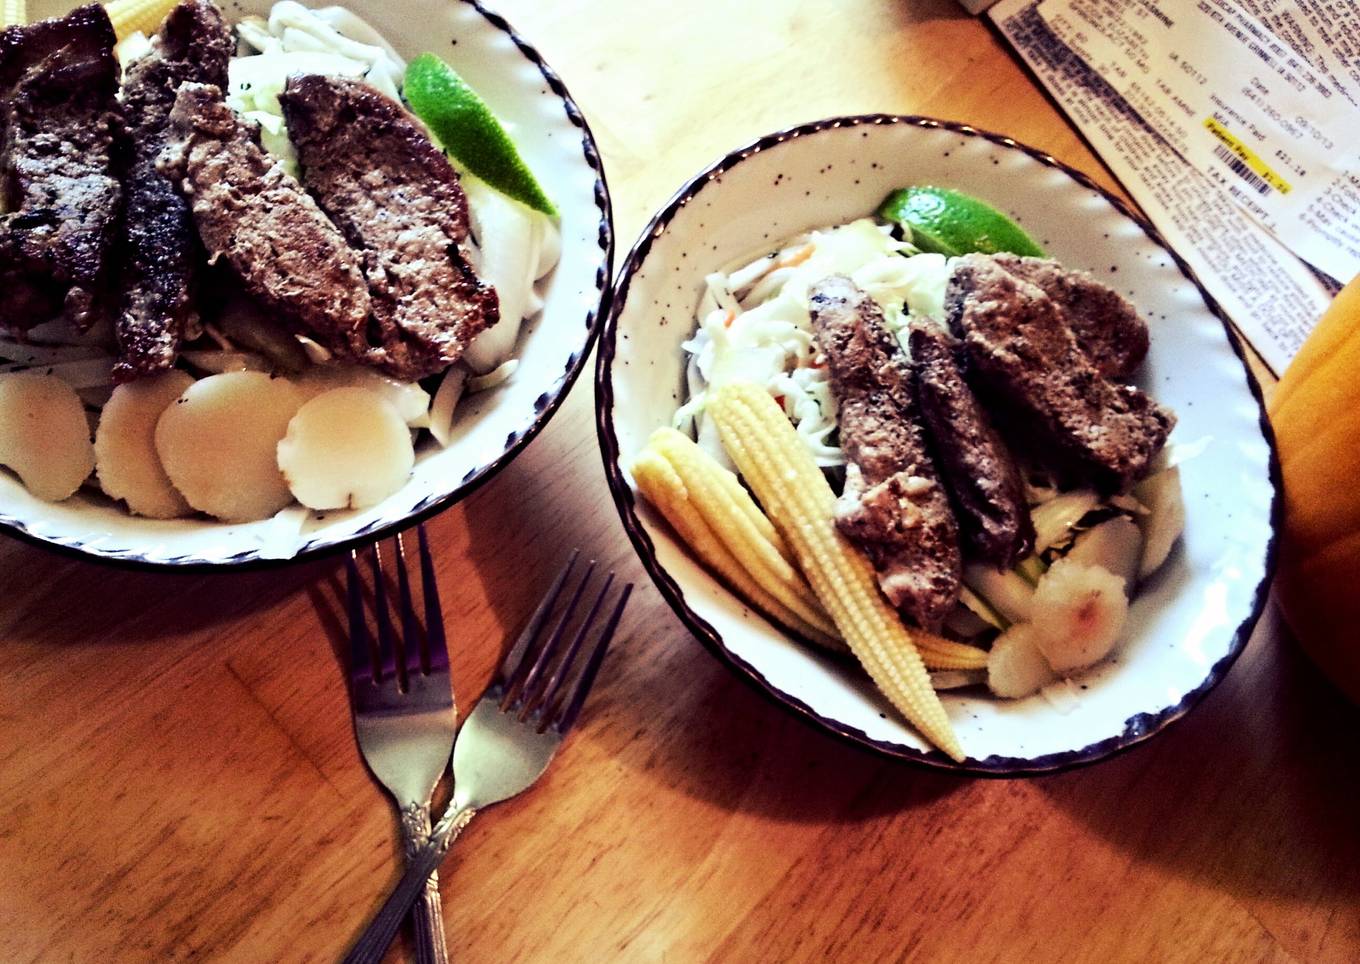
(178, 778)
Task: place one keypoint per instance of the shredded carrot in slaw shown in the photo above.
(794, 258)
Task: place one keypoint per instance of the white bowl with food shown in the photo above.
(1030, 495)
(343, 265)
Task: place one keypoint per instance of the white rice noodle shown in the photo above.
(317, 353)
(349, 24)
(280, 536)
(61, 331)
(516, 246)
(221, 362)
(15, 354)
(255, 82)
(1129, 504)
(410, 400)
(295, 40)
(218, 337)
(79, 373)
(497, 376)
(445, 401)
(341, 31)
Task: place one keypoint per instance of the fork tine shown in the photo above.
(592, 667)
(360, 644)
(387, 646)
(530, 696)
(549, 689)
(434, 613)
(410, 626)
(540, 616)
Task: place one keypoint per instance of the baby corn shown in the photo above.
(130, 16)
(737, 521)
(662, 487)
(940, 653)
(716, 517)
(783, 475)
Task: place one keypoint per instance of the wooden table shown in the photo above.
(180, 779)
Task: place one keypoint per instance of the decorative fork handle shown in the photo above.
(427, 915)
(381, 931)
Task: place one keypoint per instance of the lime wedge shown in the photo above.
(469, 131)
(952, 223)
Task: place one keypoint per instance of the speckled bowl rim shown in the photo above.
(1138, 728)
(547, 404)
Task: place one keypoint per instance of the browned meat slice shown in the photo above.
(397, 199)
(983, 480)
(893, 505)
(62, 197)
(1021, 351)
(248, 211)
(1106, 325)
(163, 252)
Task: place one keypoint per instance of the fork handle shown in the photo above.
(378, 936)
(427, 916)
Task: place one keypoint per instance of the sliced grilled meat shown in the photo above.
(981, 476)
(1022, 353)
(62, 197)
(397, 199)
(1106, 325)
(893, 505)
(249, 211)
(163, 251)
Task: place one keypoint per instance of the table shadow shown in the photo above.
(740, 751)
(743, 752)
(328, 596)
(83, 602)
(512, 564)
(1254, 792)
(924, 11)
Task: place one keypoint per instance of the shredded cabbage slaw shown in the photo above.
(754, 323)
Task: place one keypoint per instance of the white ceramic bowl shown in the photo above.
(491, 427)
(1189, 622)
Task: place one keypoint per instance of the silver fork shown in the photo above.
(510, 737)
(404, 716)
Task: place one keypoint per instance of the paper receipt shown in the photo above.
(1270, 295)
(1240, 105)
(1326, 33)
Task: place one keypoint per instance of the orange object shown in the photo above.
(794, 258)
(1315, 411)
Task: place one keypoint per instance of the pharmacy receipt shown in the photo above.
(1238, 103)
